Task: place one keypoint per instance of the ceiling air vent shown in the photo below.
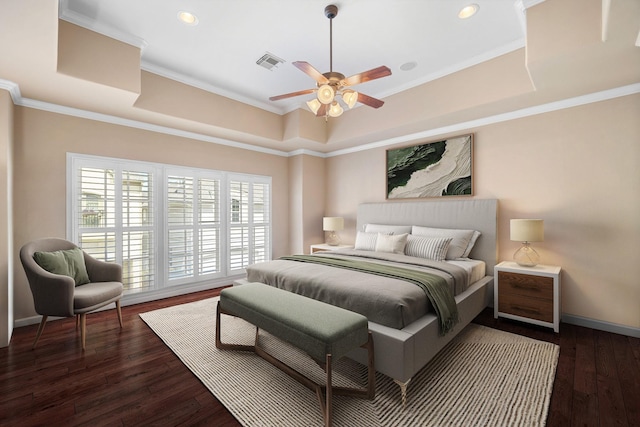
(269, 61)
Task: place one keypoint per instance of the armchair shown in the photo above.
(58, 295)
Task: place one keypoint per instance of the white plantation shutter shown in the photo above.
(261, 222)
(209, 226)
(165, 225)
(249, 225)
(115, 222)
(138, 254)
(193, 226)
(180, 238)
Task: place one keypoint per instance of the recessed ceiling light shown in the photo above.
(408, 66)
(468, 11)
(188, 18)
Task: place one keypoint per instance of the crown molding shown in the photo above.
(530, 3)
(14, 90)
(75, 18)
(498, 118)
(197, 83)
(307, 152)
(106, 118)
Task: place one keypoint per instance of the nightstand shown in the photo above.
(324, 247)
(528, 294)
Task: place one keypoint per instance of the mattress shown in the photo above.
(476, 269)
(387, 301)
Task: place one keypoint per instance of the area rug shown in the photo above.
(484, 377)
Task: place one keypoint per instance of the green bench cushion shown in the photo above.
(313, 326)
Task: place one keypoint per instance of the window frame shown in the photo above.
(160, 173)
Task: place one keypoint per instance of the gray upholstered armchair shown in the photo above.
(59, 295)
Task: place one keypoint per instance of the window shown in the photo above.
(194, 223)
(167, 226)
(250, 224)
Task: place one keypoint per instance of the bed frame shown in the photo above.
(401, 353)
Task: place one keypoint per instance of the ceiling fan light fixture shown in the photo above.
(350, 98)
(335, 110)
(326, 94)
(314, 105)
(330, 86)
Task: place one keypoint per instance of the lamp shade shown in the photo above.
(527, 230)
(332, 223)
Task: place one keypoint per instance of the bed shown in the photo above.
(405, 338)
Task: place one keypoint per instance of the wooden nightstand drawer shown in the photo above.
(533, 308)
(525, 285)
(527, 294)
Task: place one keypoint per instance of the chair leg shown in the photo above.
(77, 321)
(119, 312)
(83, 328)
(40, 329)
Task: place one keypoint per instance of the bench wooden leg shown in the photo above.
(328, 416)
(324, 392)
(224, 346)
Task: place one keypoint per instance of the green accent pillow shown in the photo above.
(69, 263)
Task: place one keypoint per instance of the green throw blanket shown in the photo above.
(435, 287)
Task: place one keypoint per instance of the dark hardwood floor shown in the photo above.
(129, 377)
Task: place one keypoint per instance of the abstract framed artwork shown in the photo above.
(431, 169)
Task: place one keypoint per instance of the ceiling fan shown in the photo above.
(332, 84)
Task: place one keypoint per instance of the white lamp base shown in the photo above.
(526, 256)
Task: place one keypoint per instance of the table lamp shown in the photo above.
(526, 231)
(331, 224)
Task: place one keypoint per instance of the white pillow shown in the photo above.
(387, 229)
(472, 242)
(391, 243)
(366, 241)
(434, 248)
(459, 244)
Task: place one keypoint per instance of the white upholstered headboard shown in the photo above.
(474, 214)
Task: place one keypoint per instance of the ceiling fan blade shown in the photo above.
(366, 76)
(292, 94)
(370, 101)
(308, 69)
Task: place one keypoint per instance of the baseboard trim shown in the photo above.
(566, 318)
(601, 325)
(137, 298)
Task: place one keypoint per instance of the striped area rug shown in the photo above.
(484, 377)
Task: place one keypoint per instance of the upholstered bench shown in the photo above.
(323, 331)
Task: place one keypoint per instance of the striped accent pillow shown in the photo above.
(434, 248)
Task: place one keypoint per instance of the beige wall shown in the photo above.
(306, 193)
(578, 169)
(6, 226)
(42, 140)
